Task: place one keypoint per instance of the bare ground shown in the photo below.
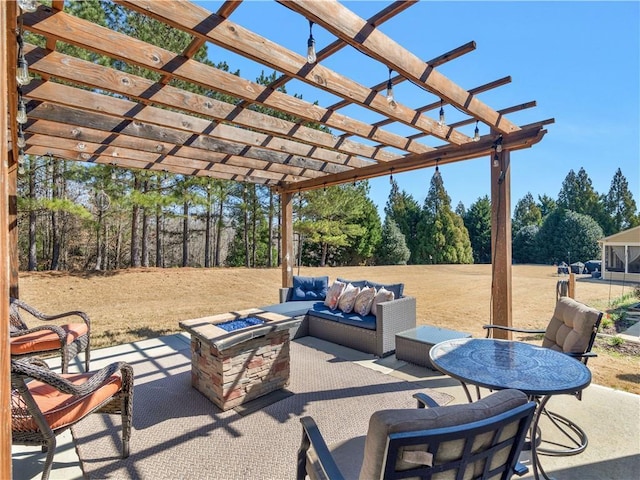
(134, 304)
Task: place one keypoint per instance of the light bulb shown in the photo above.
(476, 133)
(499, 147)
(113, 175)
(311, 50)
(390, 100)
(20, 170)
(28, 6)
(21, 157)
(441, 120)
(21, 142)
(22, 71)
(496, 160)
(21, 115)
(311, 46)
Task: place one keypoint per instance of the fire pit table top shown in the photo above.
(206, 328)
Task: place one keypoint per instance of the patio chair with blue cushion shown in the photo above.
(478, 440)
(45, 404)
(69, 339)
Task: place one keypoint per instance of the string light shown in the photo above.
(21, 142)
(476, 133)
(391, 176)
(311, 46)
(22, 71)
(441, 120)
(390, 100)
(21, 159)
(437, 167)
(21, 115)
(28, 6)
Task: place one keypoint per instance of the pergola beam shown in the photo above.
(352, 29)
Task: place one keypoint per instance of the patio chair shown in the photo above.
(572, 329)
(70, 339)
(45, 404)
(477, 440)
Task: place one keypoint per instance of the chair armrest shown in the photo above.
(41, 316)
(425, 400)
(33, 369)
(311, 437)
(54, 328)
(488, 328)
(582, 355)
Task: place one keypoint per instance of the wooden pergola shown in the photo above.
(79, 110)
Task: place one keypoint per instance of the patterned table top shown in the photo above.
(500, 364)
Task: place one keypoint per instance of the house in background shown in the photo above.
(621, 256)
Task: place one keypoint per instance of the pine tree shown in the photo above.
(393, 249)
(442, 235)
(404, 210)
(526, 213)
(477, 220)
(620, 205)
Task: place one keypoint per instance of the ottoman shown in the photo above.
(413, 345)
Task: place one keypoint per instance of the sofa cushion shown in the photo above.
(333, 294)
(382, 295)
(364, 300)
(355, 283)
(396, 288)
(291, 309)
(309, 288)
(348, 298)
(322, 311)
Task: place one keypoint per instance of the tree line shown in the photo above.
(75, 216)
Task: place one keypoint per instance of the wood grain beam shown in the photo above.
(104, 41)
(197, 20)
(346, 25)
(128, 111)
(86, 73)
(523, 138)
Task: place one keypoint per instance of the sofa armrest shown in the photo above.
(401, 310)
(285, 294)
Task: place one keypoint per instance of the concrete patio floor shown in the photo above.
(610, 418)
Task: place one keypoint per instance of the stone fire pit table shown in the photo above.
(234, 367)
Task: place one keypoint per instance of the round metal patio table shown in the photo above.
(498, 364)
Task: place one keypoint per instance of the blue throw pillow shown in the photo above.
(309, 288)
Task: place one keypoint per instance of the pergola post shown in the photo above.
(501, 242)
(286, 202)
(6, 163)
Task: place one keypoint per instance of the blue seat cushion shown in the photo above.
(309, 288)
(293, 308)
(322, 311)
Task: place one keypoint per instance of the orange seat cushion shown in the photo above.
(45, 340)
(61, 409)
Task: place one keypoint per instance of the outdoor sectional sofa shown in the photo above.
(371, 334)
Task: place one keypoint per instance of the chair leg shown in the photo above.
(51, 448)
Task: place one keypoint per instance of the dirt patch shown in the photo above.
(134, 304)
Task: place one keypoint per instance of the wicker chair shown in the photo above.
(477, 440)
(69, 339)
(44, 403)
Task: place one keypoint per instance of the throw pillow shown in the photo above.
(309, 288)
(383, 295)
(348, 298)
(364, 301)
(333, 295)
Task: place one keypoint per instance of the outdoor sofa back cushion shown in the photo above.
(310, 288)
(570, 327)
(396, 288)
(385, 422)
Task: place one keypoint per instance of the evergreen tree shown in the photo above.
(620, 205)
(329, 220)
(546, 204)
(404, 210)
(442, 235)
(578, 195)
(393, 249)
(525, 244)
(567, 235)
(477, 220)
(526, 213)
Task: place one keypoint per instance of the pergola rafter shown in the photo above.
(79, 110)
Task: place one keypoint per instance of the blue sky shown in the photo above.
(578, 60)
